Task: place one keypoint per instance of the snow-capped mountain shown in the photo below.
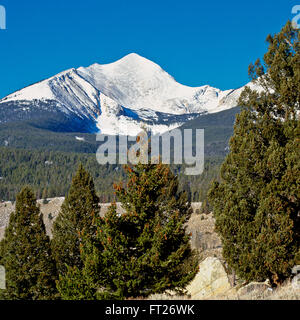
(119, 97)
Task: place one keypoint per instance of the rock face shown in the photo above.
(210, 281)
(296, 278)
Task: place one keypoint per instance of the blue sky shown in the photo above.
(197, 42)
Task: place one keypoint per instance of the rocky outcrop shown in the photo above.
(296, 277)
(210, 281)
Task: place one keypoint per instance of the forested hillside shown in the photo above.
(49, 173)
(46, 160)
(32, 135)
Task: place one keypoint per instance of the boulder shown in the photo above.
(210, 281)
(296, 278)
(296, 269)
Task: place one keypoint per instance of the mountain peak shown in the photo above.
(128, 91)
(134, 56)
(132, 63)
(129, 59)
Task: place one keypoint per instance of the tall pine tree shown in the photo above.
(77, 213)
(143, 251)
(257, 203)
(25, 253)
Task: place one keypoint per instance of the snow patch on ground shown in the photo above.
(80, 138)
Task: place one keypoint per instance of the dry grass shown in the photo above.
(284, 292)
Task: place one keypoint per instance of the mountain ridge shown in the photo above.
(118, 98)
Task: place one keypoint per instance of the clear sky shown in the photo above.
(197, 42)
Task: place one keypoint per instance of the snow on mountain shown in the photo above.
(121, 97)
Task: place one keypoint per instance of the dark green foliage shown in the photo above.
(26, 255)
(44, 196)
(257, 203)
(46, 159)
(143, 251)
(197, 186)
(50, 174)
(32, 135)
(205, 207)
(44, 115)
(77, 214)
(218, 130)
(24, 135)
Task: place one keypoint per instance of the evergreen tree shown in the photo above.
(257, 203)
(143, 251)
(25, 253)
(205, 207)
(44, 196)
(77, 213)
